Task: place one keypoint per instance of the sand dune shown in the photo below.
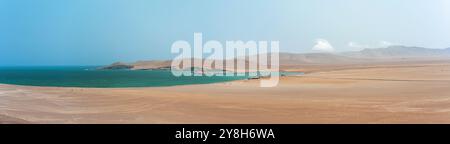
(10, 120)
(382, 93)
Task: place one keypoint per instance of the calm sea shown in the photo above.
(71, 76)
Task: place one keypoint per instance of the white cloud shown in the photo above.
(323, 46)
(385, 44)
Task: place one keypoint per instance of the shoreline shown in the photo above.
(342, 96)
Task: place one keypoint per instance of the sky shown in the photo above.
(98, 32)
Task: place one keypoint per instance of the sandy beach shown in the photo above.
(394, 93)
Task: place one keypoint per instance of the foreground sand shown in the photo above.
(407, 93)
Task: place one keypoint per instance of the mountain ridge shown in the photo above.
(399, 52)
(391, 53)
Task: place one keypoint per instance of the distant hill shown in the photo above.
(392, 53)
(285, 59)
(117, 66)
(400, 52)
(315, 58)
(152, 64)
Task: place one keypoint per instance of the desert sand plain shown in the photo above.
(410, 92)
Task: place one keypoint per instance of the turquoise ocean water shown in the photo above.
(76, 76)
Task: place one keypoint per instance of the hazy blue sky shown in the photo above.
(93, 32)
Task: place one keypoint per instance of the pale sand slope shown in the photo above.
(11, 120)
(413, 93)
